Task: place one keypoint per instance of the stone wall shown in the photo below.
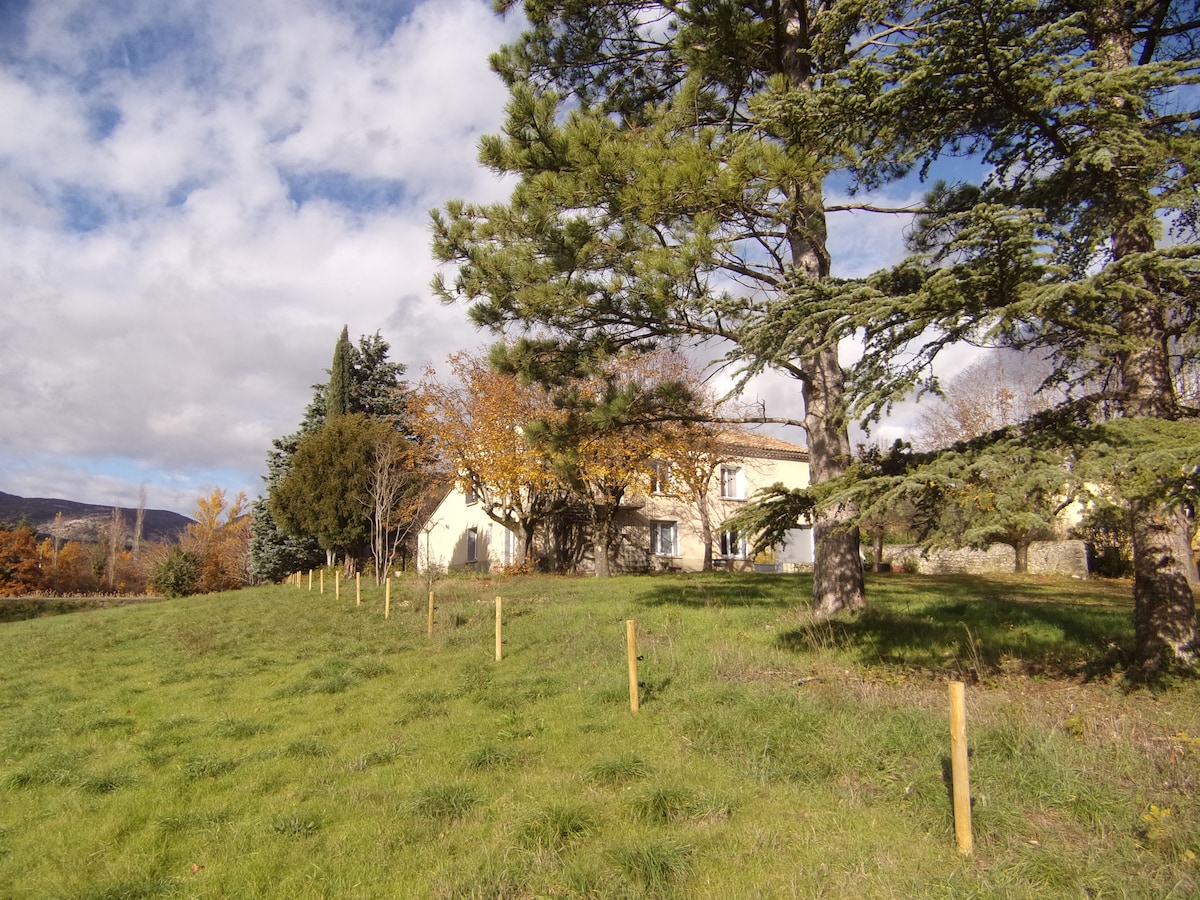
(1045, 558)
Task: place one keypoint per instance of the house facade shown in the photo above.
(660, 525)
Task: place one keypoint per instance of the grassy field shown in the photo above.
(280, 743)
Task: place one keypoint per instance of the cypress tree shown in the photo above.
(341, 377)
(375, 387)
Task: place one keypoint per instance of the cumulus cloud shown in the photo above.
(194, 197)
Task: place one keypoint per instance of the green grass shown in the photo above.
(278, 743)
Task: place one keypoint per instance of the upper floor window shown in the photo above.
(660, 477)
(733, 483)
(472, 497)
(664, 538)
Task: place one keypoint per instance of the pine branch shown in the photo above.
(892, 210)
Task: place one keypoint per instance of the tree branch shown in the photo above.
(869, 207)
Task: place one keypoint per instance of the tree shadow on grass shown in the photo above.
(729, 589)
(976, 627)
(961, 625)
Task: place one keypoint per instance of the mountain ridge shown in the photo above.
(87, 521)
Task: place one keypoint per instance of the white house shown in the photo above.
(659, 527)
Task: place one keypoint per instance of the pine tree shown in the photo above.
(654, 205)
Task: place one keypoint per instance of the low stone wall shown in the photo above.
(1045, 558)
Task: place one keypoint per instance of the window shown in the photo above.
(472, 545)
(664, 538)
(660, 477)
(733, 545)
(510, 547)
(733, 486)
(472, 497)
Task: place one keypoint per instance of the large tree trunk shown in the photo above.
(1021, 552)
(1164, 606)
(1164, 616)
(837, 565)
(1164, 570)
(602, 538)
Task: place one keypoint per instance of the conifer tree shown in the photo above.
(341, 378)
(1086, 111)
(375, 387)
(654, 206)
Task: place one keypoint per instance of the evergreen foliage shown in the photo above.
(178, 574)
(374, 386)
(656, 205)
(275, 554)
(341, 378)
(1086, 113)
(670, 160)
(327, 490)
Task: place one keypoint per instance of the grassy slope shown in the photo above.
(279, 743)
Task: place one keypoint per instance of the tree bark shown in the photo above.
(602, 536)
(837, 565)
(1021, 549)
(705, 515)
(1164, 614)
(1164, 606)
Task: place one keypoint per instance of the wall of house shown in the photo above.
(756, 473)
(445, 544)
(445, 541)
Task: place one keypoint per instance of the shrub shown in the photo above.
(178, 575)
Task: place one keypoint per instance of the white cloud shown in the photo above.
(178, 252)
(167, 303)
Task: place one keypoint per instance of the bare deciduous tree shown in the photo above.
(998, 391)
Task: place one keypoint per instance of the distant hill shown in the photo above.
(85, 521)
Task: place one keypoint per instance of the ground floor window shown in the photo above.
(733, 545)
(664, 538)
(472, 544)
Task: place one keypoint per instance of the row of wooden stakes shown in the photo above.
(297, 578)
(958, 712)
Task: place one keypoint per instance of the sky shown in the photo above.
(196, 196)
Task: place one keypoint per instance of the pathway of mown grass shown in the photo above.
(277, 743)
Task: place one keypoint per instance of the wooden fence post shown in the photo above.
(499, 626)
(429, 630)
(310, 580)
(322, 579)
(631, 652)
(958, 767)
(337, 584)
(387, 597)
(358, 588)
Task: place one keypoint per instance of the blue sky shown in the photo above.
(195, 196)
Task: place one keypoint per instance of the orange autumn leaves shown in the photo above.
(492, 433)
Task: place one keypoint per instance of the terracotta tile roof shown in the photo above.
(751, 443)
